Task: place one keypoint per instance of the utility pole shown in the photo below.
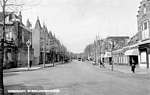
(95, 50)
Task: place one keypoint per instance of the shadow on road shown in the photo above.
(26, 90)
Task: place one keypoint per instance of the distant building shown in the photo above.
(43, 41)
(113, 43)
(117, 42)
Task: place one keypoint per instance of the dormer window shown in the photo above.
(144, 11)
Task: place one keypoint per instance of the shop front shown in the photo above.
(132, 54)
(144, 51)
(107, 58)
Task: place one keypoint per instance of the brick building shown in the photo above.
(143, 21)
(16, 35)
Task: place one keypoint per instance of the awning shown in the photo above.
(132, 52)
(144, 42)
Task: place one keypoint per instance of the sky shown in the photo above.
(77, 22)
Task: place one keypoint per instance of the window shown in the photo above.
(145, 31)
(143, 57)
(141, 28)
(145, 25)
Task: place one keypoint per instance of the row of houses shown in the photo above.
(121, 49)
(43, 42)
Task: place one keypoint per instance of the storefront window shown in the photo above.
(143, 57)
(145, 25)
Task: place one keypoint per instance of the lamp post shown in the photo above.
(112, 47)
(28, 45)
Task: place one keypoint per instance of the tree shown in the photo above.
(6, 6)
(2, 49)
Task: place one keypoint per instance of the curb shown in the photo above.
(23, 70)
(31, 69)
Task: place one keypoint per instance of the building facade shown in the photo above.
(113, 43)
(46, 46)
(36, 38)
(16, 35)
(143, 20)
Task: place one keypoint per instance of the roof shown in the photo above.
(38, 24)
(10, 17)
(135, 39)
(1, 15)
(118, 37)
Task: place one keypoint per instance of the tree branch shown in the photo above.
(6, 1)
(1, 3)
(14, 4)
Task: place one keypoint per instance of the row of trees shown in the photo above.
(100, 46)
(59, 52)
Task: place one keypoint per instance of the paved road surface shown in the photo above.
(79, 78)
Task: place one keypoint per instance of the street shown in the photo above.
(78, 78)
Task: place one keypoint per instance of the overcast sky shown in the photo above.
(77, 22)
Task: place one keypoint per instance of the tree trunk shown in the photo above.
(1, 68)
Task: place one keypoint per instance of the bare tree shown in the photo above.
(19, 5)
(10, 6)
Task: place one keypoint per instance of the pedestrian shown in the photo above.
(102, 63)
(133, 65)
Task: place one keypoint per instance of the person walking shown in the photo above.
(133, 65)
(102, 63)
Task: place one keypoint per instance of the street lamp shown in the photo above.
(28, 45)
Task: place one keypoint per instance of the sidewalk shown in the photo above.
(26, 69)
(127, 69)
